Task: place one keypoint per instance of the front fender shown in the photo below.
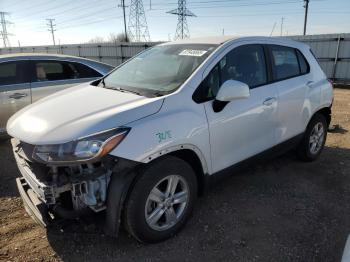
(168, 150)
(172, 128)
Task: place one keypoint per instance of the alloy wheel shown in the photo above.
(166, 202)
(316, 138)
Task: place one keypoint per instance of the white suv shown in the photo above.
(142, 142)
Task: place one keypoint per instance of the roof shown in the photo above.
(27, 55)
(215, 40)
(103, 68)
(218, 40)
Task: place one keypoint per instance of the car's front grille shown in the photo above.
(36, 174)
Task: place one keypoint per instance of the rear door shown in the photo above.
(14, 89)
(50, 76)
(293, 81)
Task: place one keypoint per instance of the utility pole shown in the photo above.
(4, 33)
(282, 19)
(182, 12)
(306, 6)
(122, 5)
(273, 28)
(52, 29)
(138, 28)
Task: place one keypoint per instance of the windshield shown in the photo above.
(159, 70)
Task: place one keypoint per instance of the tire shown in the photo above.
(157, 207)
(305, 150)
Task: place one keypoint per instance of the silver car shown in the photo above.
(25, 78)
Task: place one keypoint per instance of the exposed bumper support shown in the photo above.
(35, 208)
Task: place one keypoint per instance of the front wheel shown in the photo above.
(161, 201)
(314, 139)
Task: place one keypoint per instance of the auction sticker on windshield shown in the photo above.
(192, 52)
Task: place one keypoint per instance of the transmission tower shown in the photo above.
(182, 12)
(137, 27)
(4, 33)
(51, 25)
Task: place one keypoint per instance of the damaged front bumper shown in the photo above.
(66, 192)
(35, 208)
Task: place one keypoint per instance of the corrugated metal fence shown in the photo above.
(110, 53)
(332, 51)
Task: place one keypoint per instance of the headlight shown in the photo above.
(83, 149)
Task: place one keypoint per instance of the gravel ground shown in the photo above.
(283, 210)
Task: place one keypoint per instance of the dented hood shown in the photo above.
(79, 111)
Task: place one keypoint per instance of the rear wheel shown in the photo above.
(161, 201)
(314, 139)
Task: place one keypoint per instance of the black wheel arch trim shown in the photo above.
(124, 174)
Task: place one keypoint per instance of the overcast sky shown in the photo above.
(79, 21)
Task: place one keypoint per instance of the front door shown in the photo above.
(243, 127)
(14, 90)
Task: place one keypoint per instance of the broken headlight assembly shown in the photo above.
(81, 150)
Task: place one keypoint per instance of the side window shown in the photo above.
(304, 66)
(284, 62)
(85, 71)
(209, 86)
(245, 63)
(54, 70)
(12, 73)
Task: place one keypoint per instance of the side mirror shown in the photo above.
(231, 90)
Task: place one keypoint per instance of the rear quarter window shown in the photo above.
(304, 66)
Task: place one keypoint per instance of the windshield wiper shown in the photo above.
(130, 91)
(122, 89)
(158, 94)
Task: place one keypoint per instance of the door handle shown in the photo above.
(269, 101)
(18, 95)
(309, 83)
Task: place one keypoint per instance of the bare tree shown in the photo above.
(96, 40)
(117, 37)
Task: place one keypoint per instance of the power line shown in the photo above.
(202, 6)
(138, 28)
(92, 22)
(82, 17)
(4, 33)
(306, 6)
(52, 29)
(85, 15)
(182, 12)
